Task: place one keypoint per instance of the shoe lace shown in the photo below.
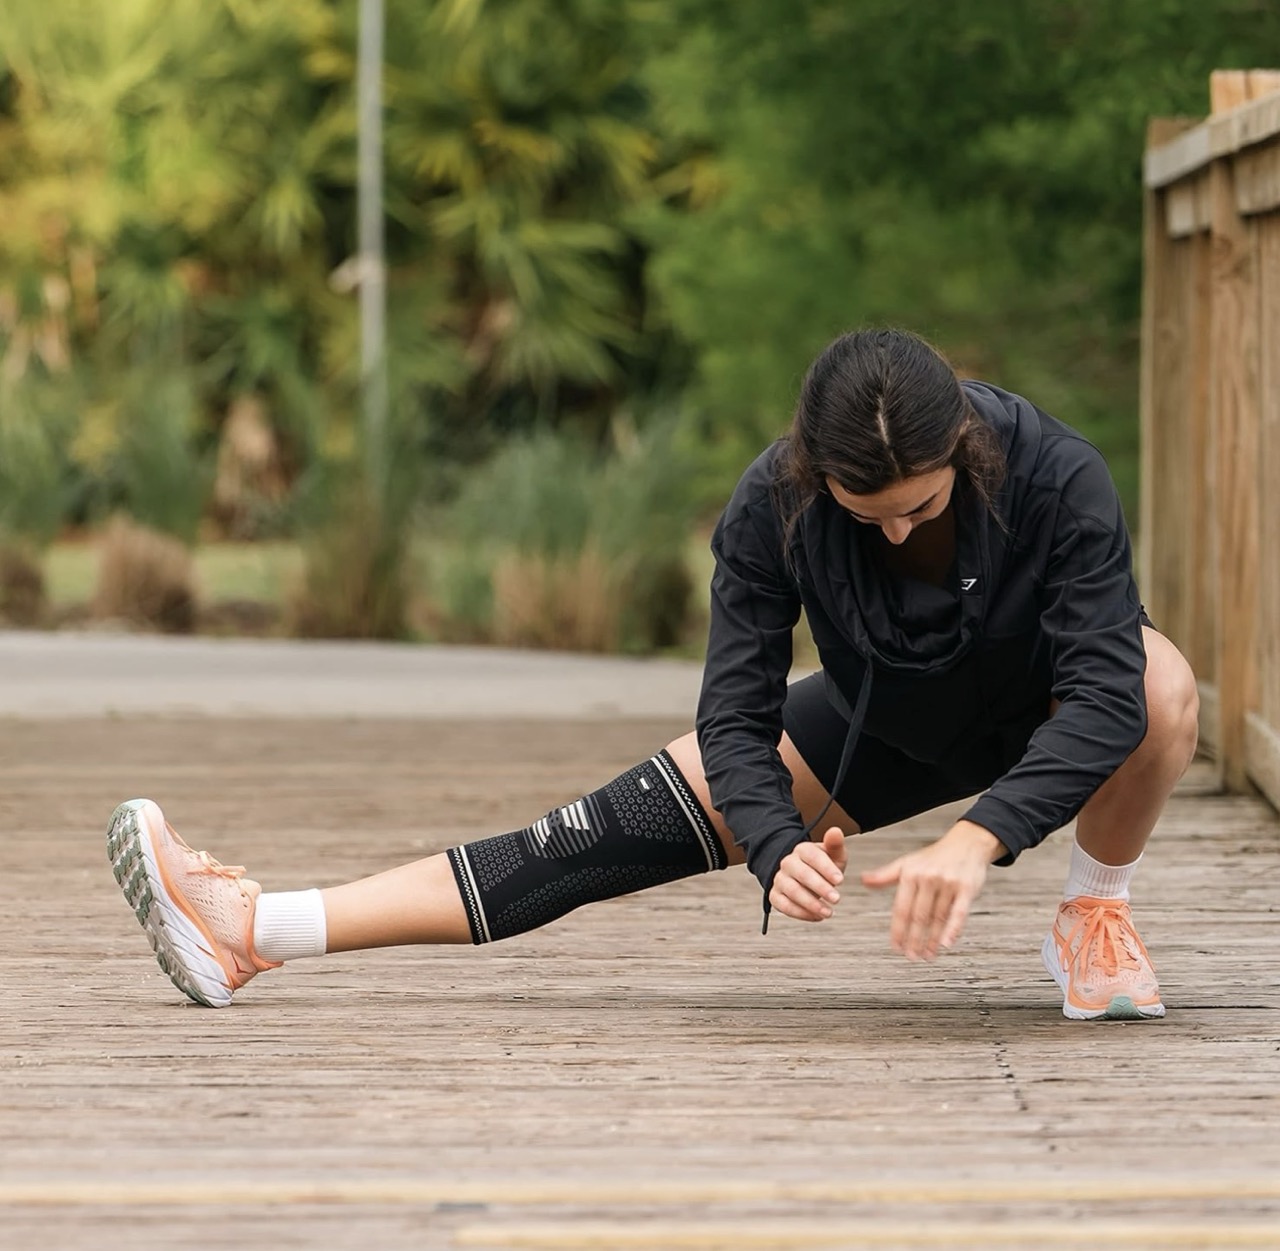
(1107, 938)
(233, 872)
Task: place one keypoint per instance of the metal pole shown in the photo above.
(372, 263)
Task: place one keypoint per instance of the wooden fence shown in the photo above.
(1210, 521)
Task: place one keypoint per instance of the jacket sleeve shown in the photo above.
(754, 608)
(1090, 614)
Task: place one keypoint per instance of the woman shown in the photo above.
(965, 569)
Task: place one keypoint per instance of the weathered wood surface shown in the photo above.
(647, 1072)
(1210, 410)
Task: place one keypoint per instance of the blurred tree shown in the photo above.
(595, 205)
(172, 181)
(970, 168)
(176, 181)
(517, 140)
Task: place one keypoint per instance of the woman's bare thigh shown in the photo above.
(806, 790)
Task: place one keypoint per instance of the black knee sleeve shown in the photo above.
(643, 828)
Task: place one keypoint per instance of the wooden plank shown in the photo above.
(1263, 82)
(1210, 725)
(1171, 598)
(1262, 756)
(1257, 175)
(1228, 89)
(643, 1060)
(1251, 123)
(1268, 572)
(1236, 416)
(652, 1050)
(651, 1192)
(1199, 535)
(1187, 207)
(853, 1235)
(1176, 157)
(1159, 402)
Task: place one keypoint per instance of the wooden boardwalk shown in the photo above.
(649, 1072)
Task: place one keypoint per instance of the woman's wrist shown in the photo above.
(979, 839)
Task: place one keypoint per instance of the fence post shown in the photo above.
(1158, 327)
(1236, 413)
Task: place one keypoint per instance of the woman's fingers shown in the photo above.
(935, 888)
(805, 885)
(812, 878)
(833, 843)
(816, 857)
(930, 918)
(900, 919)
(794, 900)
(956, 918)
(799, 904)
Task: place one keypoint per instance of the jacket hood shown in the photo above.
(902, 625)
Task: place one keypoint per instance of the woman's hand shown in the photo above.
(936, 886)
(804, 886)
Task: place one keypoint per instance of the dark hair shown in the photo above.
(877, 407)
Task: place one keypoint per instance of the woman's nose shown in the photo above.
(896, 531)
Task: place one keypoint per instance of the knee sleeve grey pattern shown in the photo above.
(644, 828)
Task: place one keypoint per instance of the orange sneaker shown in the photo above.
(1099, 962)
(198, 913)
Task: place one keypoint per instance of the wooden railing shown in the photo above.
(1210, 404)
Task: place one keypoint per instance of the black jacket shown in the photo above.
(1043, 606)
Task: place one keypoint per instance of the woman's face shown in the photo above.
(899, 508)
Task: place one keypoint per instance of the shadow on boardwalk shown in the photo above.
(648, 1072)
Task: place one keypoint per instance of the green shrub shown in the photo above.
(354, 581)
(163, 475)
(577, 549)
(354, 514)
(36, 416)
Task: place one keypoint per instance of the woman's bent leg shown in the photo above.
(1113, 827)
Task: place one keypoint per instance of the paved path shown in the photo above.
(649, 1072)
(76, 675)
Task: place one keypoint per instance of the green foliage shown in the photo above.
(594, 207)
(163, 478)
(354, 582)
(356, 515)
(598, 541)
(36, 421)
(970, 169)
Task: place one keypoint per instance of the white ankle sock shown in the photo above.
(1088, 876)
(289, 924)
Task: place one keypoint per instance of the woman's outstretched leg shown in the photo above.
(213, 929)
(670, 812)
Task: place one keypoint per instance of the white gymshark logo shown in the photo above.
(967, 584)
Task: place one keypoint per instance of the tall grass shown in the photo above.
(555, 544)
(162, 475)
(355, 520)
(36, 421)
(354, 579)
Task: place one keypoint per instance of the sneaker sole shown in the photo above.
(178, 944)
(1121, 1008)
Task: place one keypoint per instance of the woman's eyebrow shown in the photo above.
(919, 508)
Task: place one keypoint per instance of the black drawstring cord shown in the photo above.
(846, 758)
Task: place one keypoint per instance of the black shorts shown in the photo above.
(884, 784)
